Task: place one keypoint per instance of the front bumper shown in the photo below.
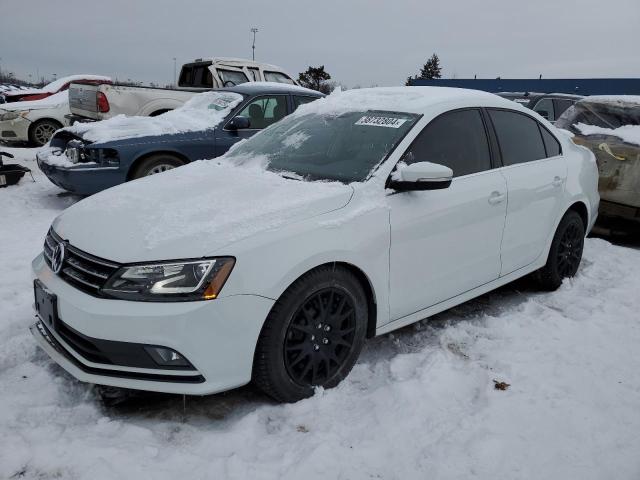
(80, 179)
(16, 130)
(218, 337)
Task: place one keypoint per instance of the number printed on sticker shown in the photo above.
(376, 121)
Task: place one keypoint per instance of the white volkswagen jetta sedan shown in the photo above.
(359, 214)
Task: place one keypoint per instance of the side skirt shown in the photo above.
(452, 302)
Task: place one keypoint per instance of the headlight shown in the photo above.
(171, 281)
(12, 115)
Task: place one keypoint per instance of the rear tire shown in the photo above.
(156, 164)
(42, 131)
(565, 253)
(312, 336)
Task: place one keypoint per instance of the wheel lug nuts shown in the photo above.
(316, 347)
(319, 326)
(313, 337)
(325, 340)
(327, 328)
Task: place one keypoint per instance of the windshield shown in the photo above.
(606, 115)
(344, 147)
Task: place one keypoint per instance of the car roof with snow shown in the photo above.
(417, 99)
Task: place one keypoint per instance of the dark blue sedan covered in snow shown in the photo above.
(89, 157)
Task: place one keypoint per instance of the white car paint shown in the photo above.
(420, 252)
(29, 113)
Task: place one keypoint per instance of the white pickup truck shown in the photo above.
(99, 102)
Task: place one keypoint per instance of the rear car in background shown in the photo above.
(36, 121)
(92, 102)
(89, 157)
(548, 105)
(610, 127)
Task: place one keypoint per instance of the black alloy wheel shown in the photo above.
(320, 336)
(313, 335)
(565, 253)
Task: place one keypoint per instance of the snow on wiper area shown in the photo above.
(202, 111)
(627, 133)
(420, 403)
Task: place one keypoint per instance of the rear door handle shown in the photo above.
(496, 197)
(557, 181)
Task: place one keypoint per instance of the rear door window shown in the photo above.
(455, 139)
(278, 77)
(518, 136)
(561, 105)
(545, 108)
(301, 100)
(265, 111)
(231, 77)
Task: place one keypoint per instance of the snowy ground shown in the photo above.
(421, 402)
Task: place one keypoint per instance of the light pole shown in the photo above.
(254, 30)
(174, 72)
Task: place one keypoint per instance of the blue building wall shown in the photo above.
(579, 86)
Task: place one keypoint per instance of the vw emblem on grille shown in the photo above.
(57, 258)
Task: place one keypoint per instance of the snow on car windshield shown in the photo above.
(202, 111)
(345, 147)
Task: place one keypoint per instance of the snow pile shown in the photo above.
(205, 206)
(627, 133)
(53, 101)
(420, 403)
(202, 111)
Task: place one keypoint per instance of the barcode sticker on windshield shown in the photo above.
(390, 122)
(220, 103)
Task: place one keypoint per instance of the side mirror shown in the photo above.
(421, 176)
(239, 123)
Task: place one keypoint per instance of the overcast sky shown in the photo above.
(360, 42)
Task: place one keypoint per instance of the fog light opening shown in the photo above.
(166, 357)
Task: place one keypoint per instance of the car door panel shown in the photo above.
(445, 242)
(535, 186)
(535, 197)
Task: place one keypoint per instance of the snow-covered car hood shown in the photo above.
(202, 111)
(52, 101)
(193, 211)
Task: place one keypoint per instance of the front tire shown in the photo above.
(156, 164)
(565, 253)
(312, 336)
(42, 131)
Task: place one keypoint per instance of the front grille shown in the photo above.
(82, 270)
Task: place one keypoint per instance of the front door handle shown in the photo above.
(496, 197)
(557, 181)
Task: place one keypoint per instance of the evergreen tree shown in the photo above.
(429, 70)
(316, 78)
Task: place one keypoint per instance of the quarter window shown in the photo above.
(519, 137)
(457, 140)
(550, 143)
(265, 111)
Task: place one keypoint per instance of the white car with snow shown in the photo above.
(356, 215)
(99, 102)
(36, 120)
